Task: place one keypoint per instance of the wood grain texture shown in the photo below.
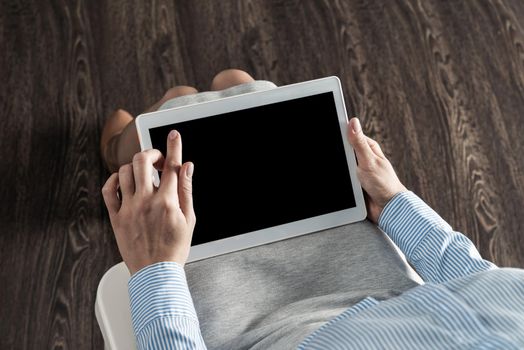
(439, 84)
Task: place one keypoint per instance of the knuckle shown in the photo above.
(140, 158)
(171, 164)
(191, 220)
(187, 187)
(124, 169)
(106, 189)
(361, 139)
(154, 152)
(386, 163)
(372, 164)
(165, 202)
(376, 146)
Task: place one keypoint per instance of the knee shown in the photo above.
(180, 90)
(230, 77)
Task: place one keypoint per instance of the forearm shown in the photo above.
(162, 309)
(436, 251)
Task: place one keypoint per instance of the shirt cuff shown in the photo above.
(407, 219)
(159, 291)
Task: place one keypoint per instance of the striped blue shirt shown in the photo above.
(466, 302)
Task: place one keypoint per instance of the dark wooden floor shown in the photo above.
(439, 83)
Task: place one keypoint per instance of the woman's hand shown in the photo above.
(376, 175)
(152, 224)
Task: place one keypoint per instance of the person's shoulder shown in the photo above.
(510, 272)
(496, 278)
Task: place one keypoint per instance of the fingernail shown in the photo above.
(356, 126)
(172, 134)
(190, 170)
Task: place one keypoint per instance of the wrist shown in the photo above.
(392, 193)
(393, 202)
(148, 289)
(134, 268)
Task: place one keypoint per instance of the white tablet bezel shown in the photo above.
(214, 108)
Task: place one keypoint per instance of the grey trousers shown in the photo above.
(273, 296)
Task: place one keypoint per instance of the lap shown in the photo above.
(260, 287)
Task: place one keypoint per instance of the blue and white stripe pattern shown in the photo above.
(437, 253)
(466, 303)
(162, 309)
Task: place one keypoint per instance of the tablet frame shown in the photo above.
(214, 108)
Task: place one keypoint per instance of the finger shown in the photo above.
(358, 140)
(172, 164)
(375, 147)
(185, 191)
(143, 167)
(127, 183)
(109, 192)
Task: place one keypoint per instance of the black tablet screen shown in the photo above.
(264, 166)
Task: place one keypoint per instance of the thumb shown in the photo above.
(359, 142)
(185, 191)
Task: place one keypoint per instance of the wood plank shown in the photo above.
(439, 84)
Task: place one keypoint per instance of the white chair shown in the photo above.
(112, 309)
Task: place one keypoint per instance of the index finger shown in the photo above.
(172, 165)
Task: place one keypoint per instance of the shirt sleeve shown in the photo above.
(436, 251)
(162, 309)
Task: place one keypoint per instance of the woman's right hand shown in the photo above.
(375, 172)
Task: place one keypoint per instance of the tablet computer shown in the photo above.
(269, 165)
